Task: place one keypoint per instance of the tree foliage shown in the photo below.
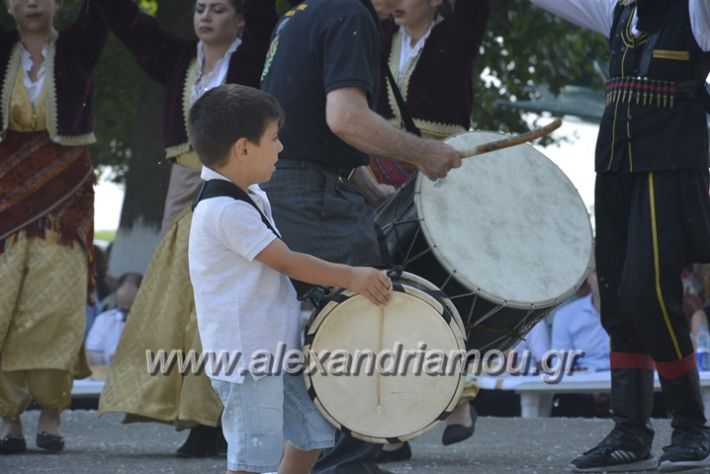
(523, 47)
(526, 47)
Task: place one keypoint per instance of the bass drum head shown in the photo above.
(388, 407)
(509, 225)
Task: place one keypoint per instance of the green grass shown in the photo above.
(107, 235)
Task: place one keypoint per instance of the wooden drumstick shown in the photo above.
(510, 141)
(380, 343)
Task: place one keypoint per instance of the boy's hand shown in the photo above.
(372, 284)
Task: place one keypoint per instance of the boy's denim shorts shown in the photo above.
(260, 415)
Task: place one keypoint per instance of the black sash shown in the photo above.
(219, 187)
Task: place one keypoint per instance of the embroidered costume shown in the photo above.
(46, 214)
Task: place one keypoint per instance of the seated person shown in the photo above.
(577, 326)
(105, 333)
(700, 304)
(537, 342)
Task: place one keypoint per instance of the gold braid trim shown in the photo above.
(438, 130)
(13, 65)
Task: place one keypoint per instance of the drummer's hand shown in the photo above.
(439, 160)
(373, 284)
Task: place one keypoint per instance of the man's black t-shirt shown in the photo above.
(317, 47)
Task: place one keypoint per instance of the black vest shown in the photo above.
(663, 133)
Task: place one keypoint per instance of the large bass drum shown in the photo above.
(406, 398)
(506, 236)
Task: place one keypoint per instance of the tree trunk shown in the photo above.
(149, 171)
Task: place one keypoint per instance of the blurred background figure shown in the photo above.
(102, 341)
(577, 326)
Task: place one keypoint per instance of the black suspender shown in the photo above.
(219, 187)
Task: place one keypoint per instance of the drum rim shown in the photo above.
(446, 300)
(504, 302)
(319, 316)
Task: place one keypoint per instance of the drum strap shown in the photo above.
(219, 187)
(406, 116)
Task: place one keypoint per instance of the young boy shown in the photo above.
(244, 300)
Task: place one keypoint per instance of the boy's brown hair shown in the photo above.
(225, 114)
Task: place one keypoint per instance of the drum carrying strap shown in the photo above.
(219, 187)
(403, 112)
(411, 127)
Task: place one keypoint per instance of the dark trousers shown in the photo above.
(321, 214)
(649, 227)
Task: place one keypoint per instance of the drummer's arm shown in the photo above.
(350, 118)
(371, 283)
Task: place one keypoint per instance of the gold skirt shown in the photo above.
(42, 321)
(42, 304)
(162, 318)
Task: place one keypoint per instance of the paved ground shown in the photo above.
(500, 445)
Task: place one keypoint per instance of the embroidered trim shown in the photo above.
(438, 130)
(189, 160)
(395, 54)
(190, 80)
(430, 129)
(13, 66)
(177, 150)
(75, 140)
(627, 35)
(673, 55)
(51, 90)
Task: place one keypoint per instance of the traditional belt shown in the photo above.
(343, 172)
(646, 92)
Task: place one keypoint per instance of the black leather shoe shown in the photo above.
(220, 445)
(403, 453)
(201, 443)
(50, 442)
(10, 445)
(457, 433)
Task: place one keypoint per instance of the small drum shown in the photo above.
(398, 397)
(506, 237)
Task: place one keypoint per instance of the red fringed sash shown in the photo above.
(46, 186)
(389, 171)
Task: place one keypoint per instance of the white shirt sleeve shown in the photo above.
(561, 337)
(700, 22)
(539, 340)
(241, 229)
(595, 15)
(97, 333)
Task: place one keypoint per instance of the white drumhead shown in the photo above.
(410, 402)
(417, 280)
(508, 224)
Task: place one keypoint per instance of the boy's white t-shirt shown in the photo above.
(242, 305)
